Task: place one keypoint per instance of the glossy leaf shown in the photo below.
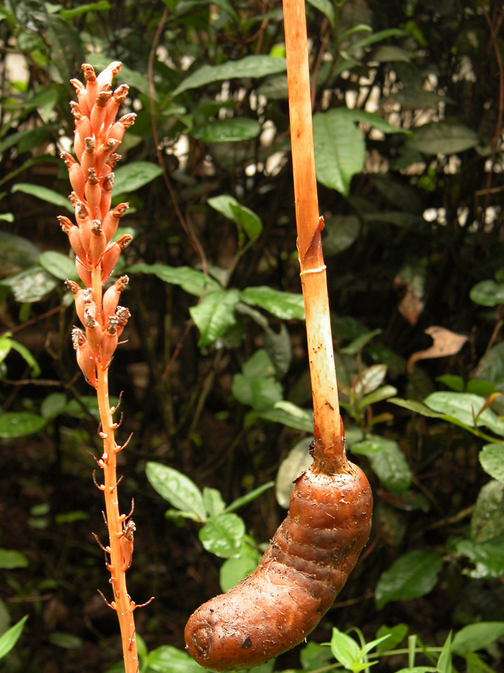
(227, 130)
(169, 658)
(283, 305)
(19, 424)
(250, 66)
(370, 379)
(222, 535)
(176, 488)
(487, 520)
(392, 468)
(443, 137)
(379, 395)
(290, 415)
(476, 637)
(465, 407)
(7, 343)
(396, 634)
(212, 499)
(344, 649)
(259, 393)
(248, 497)
(415, 407)
(298, 460)
(214, 315)
(411, 576)
(192, 281)
(339, 150)
(10, 637)
(44, 194)
(487, 293)
(17, 251)
(340, 233)
(233, 570)
(31, 285)
(59, 265)
(487, 557)
(10, 559)
(373, 119)
(100, 6)
(491, 458)
(372, 445)
(53, 405)
(133, 176)
(247, 220)
(326, 7)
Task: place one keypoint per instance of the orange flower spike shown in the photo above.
(84, 223)
(84, 272)
(74, 236)
(97, 244)
(106, 194)
(93, 330)
(111, 255)
(81, 92)
(85, 357)
(79, 298)
(118, 129)
(113, 105)
(109, 342)
(89, 155)
(74, 173)
(99, 111)
(112, 218)
(93, 192)
(123, 315)
(107, 75)
(103, 153)
(112, 296)
(82, 122)
(91, 84)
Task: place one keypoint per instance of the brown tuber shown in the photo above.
(303, 569)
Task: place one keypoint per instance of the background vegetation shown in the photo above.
(408, 100)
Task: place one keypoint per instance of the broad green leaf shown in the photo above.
(258, 366)
(44, 194)
(19, 424)
(370, 379)
(315, 656)
(67, 641)
(169, 658)
(259, 393)
(476, 637)
(274, 88)
(375, 37)
(359, 342)
(214, 315)
(132, 176)
(487, 521)
(443, 137)
(283, 305)
(379, 395)
(59, 265)
(31, 285)
(371, 118)
(386, 53)
(491, 458)
(396, 635)
(415, 407)
(250, 66)
(411, 576)
(11, 559)
(341, 232)
(344, 649)
(298, 460)
(247, 220)
(53, 405)
(7, 343)
(175, 487)
(326, 7)
(391, 467)
(372, 445)
(233, 570)
(465, 407)
(192, 281)
(488, 557)
(222, 535)
(16, 251)
(339, 149)
(212, 499)
(6, 217)
(10, 637)
(222, 204)
(248, 497)
(227, 130)
(279, 348)
(290, 415)
(487, 293)
(100, 6)
(444, 664)
(418, 669)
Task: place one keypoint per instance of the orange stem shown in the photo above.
(327, 428)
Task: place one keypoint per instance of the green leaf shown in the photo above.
(359, 342)
(465, 407)
(247, 220)
(100, 6)
(396, 635)
(248, 497)
(53, 405)
(222, 535)
(214, 315)
(10, 637)
(344, 649)
(44, 194)
(16, 251)
(168, 658)
(487, 557)
(375, 37)
(373, 445)
(259, 393)
(391, 467)
(339, 149)
(212, 499)
(31, 285)
(67, 641)
(298, 460)
(341, 232)
(415, 407)
(314, 656)
(59, 265)
(487, 521)
(372, 119)
(379, 395)
(444, 664)
(7, 343)
(233, 570)
(370, 379)
(476, 637)
(326, 8)
(444, 137)
(283, 305)
(290, 415)
(19, 424)
(131, 177)
(487, 293)
(227, 130)
(178, 489)
(192, 281)
(250, 66)
(411, 576)
(491, 458)
(11, 559)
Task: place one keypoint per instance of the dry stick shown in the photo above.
(309, 243)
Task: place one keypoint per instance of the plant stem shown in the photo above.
(327, 427)
(122, 602)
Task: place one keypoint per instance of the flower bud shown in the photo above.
(99, 111)
(111, 220)
(73, 234)
(93, 330)
(79, 298)
(97, 244)
(85, 357)
(93, 191)
(74, 173)
(107, 75)
(91, 84)
(83, 272)
(103, 152)
(84, 222)
(81, 92)
(113, 105)
(89, 155)
(109, 342)
(123, 315)
(106, 194)
(112, 295)
(111, 255)
(82, 123)
(118, 129)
